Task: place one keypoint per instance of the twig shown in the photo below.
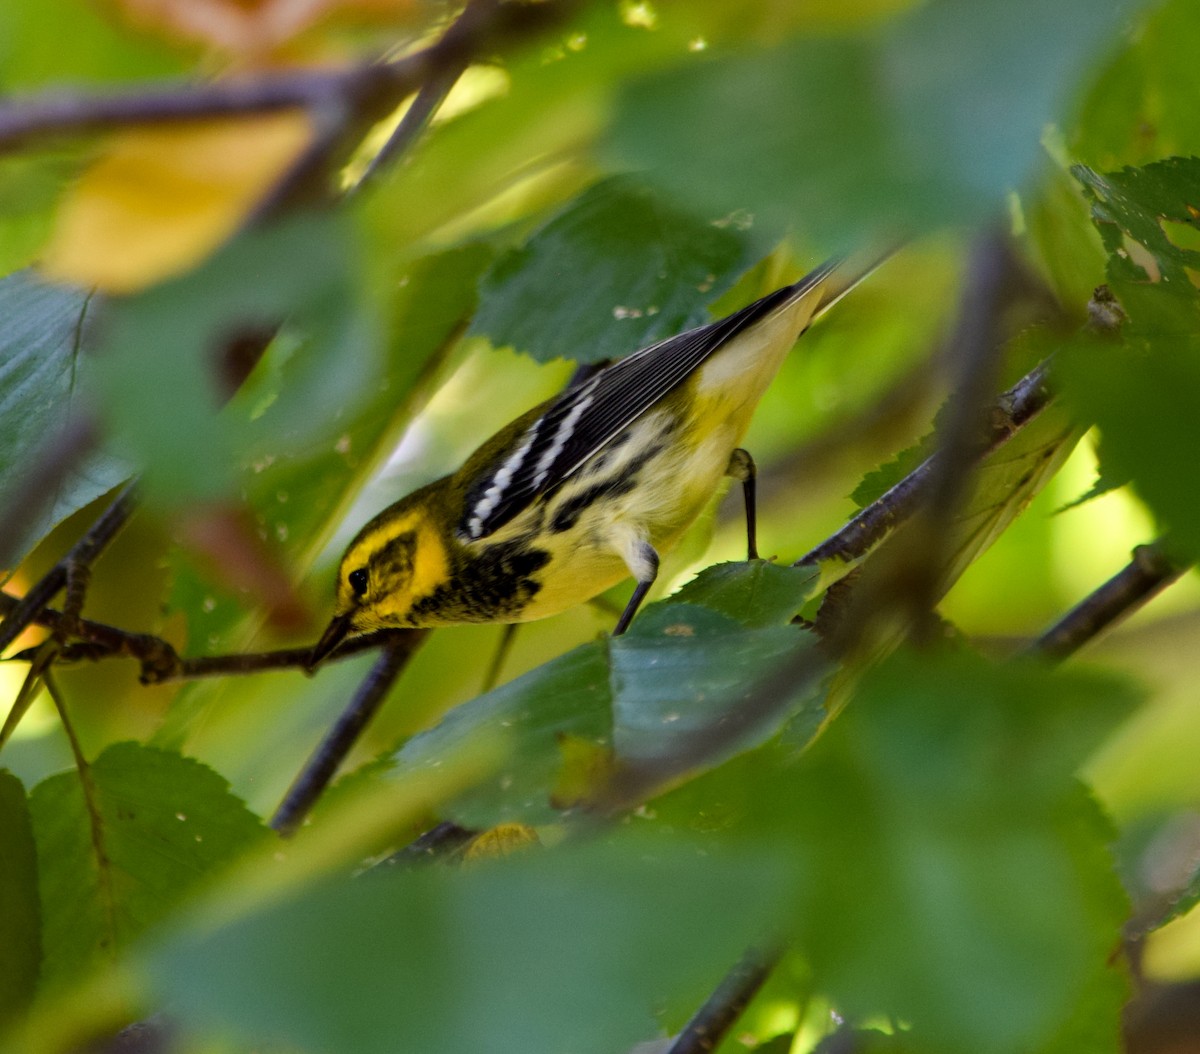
(1006, 417)
(432, 94)
(160, 662)
(369, 89)
(82, 554)
(63, 111)
(338, 741)
(1143, 578)
(91, 801)
(710, 1024)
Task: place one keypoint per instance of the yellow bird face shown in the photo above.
(396, 559)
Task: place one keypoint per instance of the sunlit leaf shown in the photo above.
(755, 594)
(1142, 390)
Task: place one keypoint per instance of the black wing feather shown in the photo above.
(603, 406)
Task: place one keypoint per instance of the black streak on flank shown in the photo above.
(567, 514)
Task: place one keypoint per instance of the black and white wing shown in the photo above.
(587, 417)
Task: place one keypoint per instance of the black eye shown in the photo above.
(358, 582)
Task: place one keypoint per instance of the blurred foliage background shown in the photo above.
(947, 848)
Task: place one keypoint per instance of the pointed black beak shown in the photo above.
(334, 634)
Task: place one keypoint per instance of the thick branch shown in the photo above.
(373, 88)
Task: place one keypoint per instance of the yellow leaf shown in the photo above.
(162, 199)
(501, 840)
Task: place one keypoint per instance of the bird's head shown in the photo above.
(395, 560)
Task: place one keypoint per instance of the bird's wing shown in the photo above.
(587, 417)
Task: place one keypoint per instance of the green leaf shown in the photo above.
(1138, 109)
(1153, 373)
(30, 187)
(876, 483)
(568, 696)
(300, 491)
(917, 125)
(558, 951)
(113, 860)
(944, 830)
(617, 269)
(160, 377)
(20, 911)
(34, 49)
(681, 672)
(754, 593)
(39, 395)
(1157, 206)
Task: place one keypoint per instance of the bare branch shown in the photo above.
(1005, 418)
(82, 555)
(369, 90)
(712, 1022)
(1149, 572)
(340, 739)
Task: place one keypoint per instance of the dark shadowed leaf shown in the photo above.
(616, 270)
(40, 392)
(20, 910)
(682, 672)
(945, 831)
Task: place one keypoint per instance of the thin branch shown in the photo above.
(720, 1012)
(1015, 409)
(1149, 572)
(40, 660)
(432, 94)
(83, 553)
(368, 89)
(340, 739)
(66, 111)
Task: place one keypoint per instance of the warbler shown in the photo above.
(588, 488)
